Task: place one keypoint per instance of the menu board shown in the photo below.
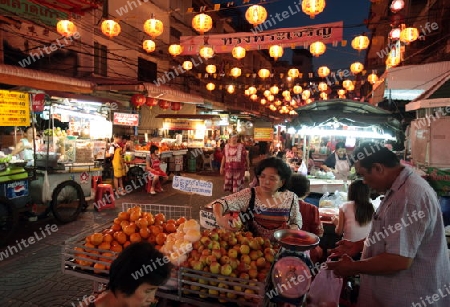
(263, 134)
(14, 108)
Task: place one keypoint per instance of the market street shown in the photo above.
(32, 276)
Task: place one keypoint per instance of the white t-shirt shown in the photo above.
(352, 230)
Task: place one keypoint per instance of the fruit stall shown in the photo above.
(212, 267)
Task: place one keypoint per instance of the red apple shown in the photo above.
(244, 276)
(232, 253)
(254, 254)
(234, 263)
(224, 244)
(216, 253)
(253, 243)
(232, 241)
(225, 260)
(253, 273)
(198, 265)
(210, 259)
(261, 262)
(196, 245)
(214, 245)
(214, 267)
(269, 257)
(226, 269)
(261, 276)
(244, 249)
(206, 252)
(246, 259)
(202, 259)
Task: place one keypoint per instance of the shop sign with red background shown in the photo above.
(126, 119)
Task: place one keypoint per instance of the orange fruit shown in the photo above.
(129, 230)
(160, 217)
(134, 216)
(144, 232)
(96, 238)
(142, 222)
(171, 228)
(123, 216)
(108, 259)
(88, 244)
(151, 219)
(107, 237)
(117, 220)
(78, 249)
(158, 222)
(98, 267)
(116, 248)
(114, 242)
(180, 221)
(171, 221)
(105, 246)
(161, 238)
(116, 227)
(135, 237)
(126, 244)
(155, 230)
(121, 237)
(136, 209)
(124, 223)
(93, 254)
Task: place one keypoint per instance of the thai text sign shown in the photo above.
(185, 184)
(439, 179)
(27, 9)
(14, 108)
(256, 40)
(126, 119)
(263, 134)
(182, 124)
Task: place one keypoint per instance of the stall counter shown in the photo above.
(324, 185)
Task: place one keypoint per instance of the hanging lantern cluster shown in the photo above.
(110, 28)
(317, 48)
(276, 51)
(356, 67)
(238, 52)
(138, 100)
(153, 27)
(176, 106)
(66, 28)
(151, 102)
(264, 73)
(256, 14)
(323, 71)
(149, 45)
(235, 72)
(202, 23)
(164, 104)
(313, 7)
(206, 52)
(372, 78)
(360, 42)
(175, 49)
(408, 35)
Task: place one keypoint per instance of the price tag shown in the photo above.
(195, 186)
(14, 108)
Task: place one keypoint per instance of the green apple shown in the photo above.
(226, 269)
(215, 245)
(246, 259)
(254, 244)
(197, 265)
(214, 236)
(214, 267)
(216, 253)
(210, 259)
(232, 241)
(232, 253)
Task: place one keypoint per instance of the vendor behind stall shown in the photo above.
(338, 161)
(24, 148)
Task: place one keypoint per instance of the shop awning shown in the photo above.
(19, 76)
(189, 116)
(411, 81)
(349, 112)
(437, 96)
(71, 6)
(81, 97)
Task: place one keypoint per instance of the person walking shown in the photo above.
(404, 259)
(235, 162)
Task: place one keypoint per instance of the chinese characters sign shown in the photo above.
(14, 108)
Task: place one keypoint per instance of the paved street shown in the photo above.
(33, 276)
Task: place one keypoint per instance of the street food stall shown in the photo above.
(59, 179)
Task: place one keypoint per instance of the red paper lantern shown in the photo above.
(138, 100)
(164, 104)
(176, 106)
(151, 102)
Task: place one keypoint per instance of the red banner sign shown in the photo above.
(126, 119)
(262, 38)
(38, 102)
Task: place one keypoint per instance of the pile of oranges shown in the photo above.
(130, 226)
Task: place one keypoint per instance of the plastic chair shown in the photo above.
(104, 197)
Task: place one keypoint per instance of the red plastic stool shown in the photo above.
(96, 180)
(104, 197)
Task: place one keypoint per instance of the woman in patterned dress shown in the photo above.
(265, 208)
(153, 165)
(235, 162)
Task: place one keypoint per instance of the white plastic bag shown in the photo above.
(247, 175)
(325, 290)
(327, 201)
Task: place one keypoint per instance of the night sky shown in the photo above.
(352, 12)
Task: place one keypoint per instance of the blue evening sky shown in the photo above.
(351, 12)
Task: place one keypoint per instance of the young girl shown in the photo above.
(153, 165)
(355, 216)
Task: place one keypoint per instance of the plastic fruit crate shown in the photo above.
(195, 286)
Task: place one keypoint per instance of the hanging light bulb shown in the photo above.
(324, 96)
(317, 48)
(175, 49)
(360, 42)
(293, 73)
(297, 89)
(395, 33)
(323, 71)
(346, 83)
(408, 35)
(235, 72)
(252, 90)
(187, 65)
(210, 69)
(264, 73)
(286, 94)
(323, 86)
(267, 93)
(210, 86)
(372, 78)
(356, 68)
(306, 94)
(263, 101)
(313, 7)
(254, 97)
(231, 88)
(274, 90)
(206, 52)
